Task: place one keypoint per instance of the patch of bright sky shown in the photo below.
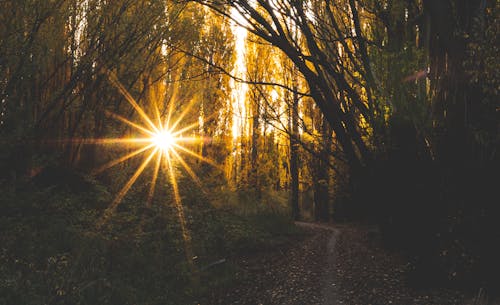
(164, 46)
(81, 24)
(239, 90)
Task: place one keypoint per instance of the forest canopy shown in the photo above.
(384, 112)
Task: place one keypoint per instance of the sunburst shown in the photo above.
(162, 145)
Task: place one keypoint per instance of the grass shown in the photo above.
(52, 253)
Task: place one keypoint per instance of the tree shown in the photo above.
(321, 27)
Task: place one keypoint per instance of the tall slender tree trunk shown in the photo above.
(253, 173)
(321, 196)
(294, 154)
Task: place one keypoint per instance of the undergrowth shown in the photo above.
(53, 253)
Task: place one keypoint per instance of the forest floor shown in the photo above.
(329, 264)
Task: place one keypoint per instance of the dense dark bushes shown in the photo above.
(443, 214)
(53, 253)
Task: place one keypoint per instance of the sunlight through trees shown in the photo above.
(382, 112)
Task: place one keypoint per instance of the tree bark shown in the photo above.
(294, 155)
(321, 179)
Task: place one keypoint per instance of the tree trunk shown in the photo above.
(294, 155)
(321, 196)
(253, 179)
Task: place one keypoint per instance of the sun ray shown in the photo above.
(193, 125)
(180, 214)
(190, 139)
(171, 106)
(187, 128)
(112, 77)
(103, 141)
(188, 169)
(157, 114)
(117, 141)
(121, 159)
(173, 180)
(124, 120)
(155, 177)
(158, 117)
(198, 156)
(182, 115)
(109, 211)
(152, 186)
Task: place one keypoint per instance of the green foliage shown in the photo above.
(53, 253)
(481, 64)
(482, 68)
(251, 201)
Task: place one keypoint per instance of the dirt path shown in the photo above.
(329, 265)
(329, 290)
(370, 274)
(302, 273)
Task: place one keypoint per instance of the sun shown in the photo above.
(163, 145)
(164, 140)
